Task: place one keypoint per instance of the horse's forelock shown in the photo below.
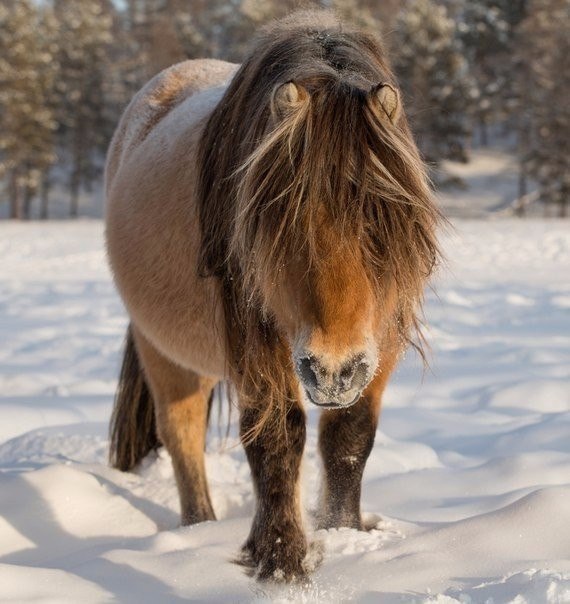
(336, 154)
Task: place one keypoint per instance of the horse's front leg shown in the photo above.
(346, 438)
(277, 544)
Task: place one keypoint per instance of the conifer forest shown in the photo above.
(471, 72)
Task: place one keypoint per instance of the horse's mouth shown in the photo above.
(332, 404)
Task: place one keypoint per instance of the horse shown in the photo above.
(269, 225)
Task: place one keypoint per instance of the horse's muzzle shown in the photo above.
(333, 388)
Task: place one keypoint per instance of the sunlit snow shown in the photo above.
(468, 485)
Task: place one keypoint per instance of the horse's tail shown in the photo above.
(133, 425)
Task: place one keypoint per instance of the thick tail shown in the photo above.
(133, 426)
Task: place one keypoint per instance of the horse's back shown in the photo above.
(153, 235)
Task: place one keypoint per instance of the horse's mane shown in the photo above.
(266, 176)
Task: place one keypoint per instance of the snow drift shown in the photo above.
(467, 488)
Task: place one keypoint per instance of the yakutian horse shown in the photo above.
(270, 225)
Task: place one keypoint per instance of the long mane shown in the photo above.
(264, 183)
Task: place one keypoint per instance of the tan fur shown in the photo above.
(181, 407)
(152, 220)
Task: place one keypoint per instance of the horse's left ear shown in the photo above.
(387, 99)
(287, 98)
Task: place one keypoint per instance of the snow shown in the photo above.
(467, 490)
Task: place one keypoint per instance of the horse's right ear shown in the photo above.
(286, 98)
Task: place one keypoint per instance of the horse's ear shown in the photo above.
(387, 99)
(286, 98)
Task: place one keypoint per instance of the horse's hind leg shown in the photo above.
(181, 407)
(346, 438)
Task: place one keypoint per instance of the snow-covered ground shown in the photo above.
(469, 480)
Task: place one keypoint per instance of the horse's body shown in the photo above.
(271, 226)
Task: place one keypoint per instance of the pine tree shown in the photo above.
(487, 29)
(26, 118)
(154, 26)
(435, 80)
(544, 48)
(357, 13)
(223, 29)
(84, 41)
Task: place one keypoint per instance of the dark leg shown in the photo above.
(277, 544)
(345, 441)
(346, 438)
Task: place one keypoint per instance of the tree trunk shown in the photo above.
(15, 197)
(74, 205)
(44, 195)
(74, 190)
(545, 207)
(77, 170)
(28, 197)
(483, 136)
(520, 209)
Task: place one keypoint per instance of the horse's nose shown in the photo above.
(316, 375)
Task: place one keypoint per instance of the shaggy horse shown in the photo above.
(270, 224)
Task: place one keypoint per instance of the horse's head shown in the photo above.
(331, 238)
(310, 252)
(327, 233)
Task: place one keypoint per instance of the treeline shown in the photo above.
(68, 68)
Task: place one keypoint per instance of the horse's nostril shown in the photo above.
(353, 375)
(306, 371)
(361, 375)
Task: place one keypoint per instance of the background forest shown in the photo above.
(473, 72)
